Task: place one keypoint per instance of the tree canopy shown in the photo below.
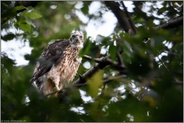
(133, 74)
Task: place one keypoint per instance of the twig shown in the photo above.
(98, 60)
(104, 81)
(120, 60)
(108, 61)
(164, 64)
(115, 78)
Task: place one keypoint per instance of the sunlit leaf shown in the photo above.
(32, 15)
(25, 27)
(17, 8)
(151, 101)
(95, 83)
(113, 50)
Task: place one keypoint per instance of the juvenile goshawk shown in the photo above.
(58, 64)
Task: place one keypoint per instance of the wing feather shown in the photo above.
(52, 55)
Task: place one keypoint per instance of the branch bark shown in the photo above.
(123, 20)
(128, 16)
(101, 63)
(104, 81)
(171, 24)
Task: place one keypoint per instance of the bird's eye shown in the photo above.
(80, 37)
(73, 36)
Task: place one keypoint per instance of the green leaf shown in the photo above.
(25, 27)
(32, 15)
(113, 50)
(150, 100)
(18, 8)
(85, 8)
(87, 47)
(95, 83)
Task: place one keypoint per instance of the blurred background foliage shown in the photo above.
(152, 90)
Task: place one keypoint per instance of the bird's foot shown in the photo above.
(56, 90)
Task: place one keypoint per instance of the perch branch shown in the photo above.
(108, 61)
(104, 81)
(101, 63)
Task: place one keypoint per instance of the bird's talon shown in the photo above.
(57, 88)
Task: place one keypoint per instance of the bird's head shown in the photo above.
(76, 39)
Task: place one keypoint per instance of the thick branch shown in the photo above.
(108, 61)
(128, 16)
(90, 73)
(171, 24)
(101, 63)
(121, 16)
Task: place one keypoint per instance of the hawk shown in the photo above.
(58, 64)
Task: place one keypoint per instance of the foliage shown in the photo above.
(150, 91)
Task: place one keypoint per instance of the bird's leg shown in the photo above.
(57, 88)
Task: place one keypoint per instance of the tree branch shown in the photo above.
(126, 22)
(121, 16)
(128, 16)
(101, 63)
(107, 61)
(171, 24)
(104, 81)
